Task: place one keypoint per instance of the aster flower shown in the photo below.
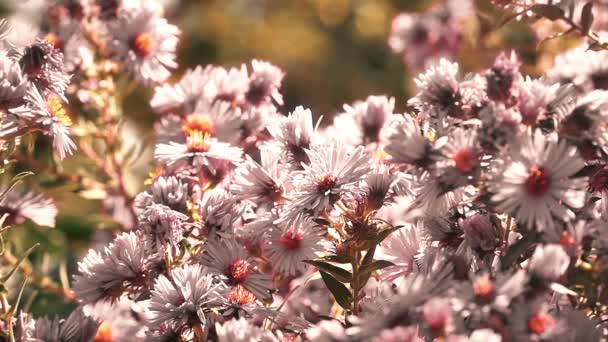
(77, 327)
(502, 78)
(482, 232)
(190, 295)
(124, 265)
(462, 152)
(200, 150)
(401, 248)
(375, 190)
(262, 185)
(241, 330)
(43, 113)
(144, 43)
(228, 258)
(536, 100)
(217, 119)
(123, 319)
(423, 37)
(367, 118)
(43, 65)
(294, 135)
(184, 95)
(549, 262)
(331, 171)
(442, 93)
(168, 191)
(13, 84)
(327, 331)
(290, 244)
(535, 186)
(162, 225)
(264, 83)
(218, 212)
(406, 143)
(21, 206)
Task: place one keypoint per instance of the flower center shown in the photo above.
(58, 111)
(239, 271)
(465, 160)
(33, 60)
(483, 287)
(538, 181)
(326, 183)
(540, 323)
(291, 241)
(198, 141)
(241, 296)
(198, 123)
(104, 333)
(55, 41)
(142, 44)
(599, 180)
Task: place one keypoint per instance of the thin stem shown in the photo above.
(355, 283)
(43, 282)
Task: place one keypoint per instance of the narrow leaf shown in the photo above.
(340, 259)
(340, 292)
(587, 17)
(517, 249)
(339, 273)
(18, 263)
(375, 265)
(550, 12)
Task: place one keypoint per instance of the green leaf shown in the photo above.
(517, 249)
(339, 273)
(374, 266)
(340, 259)
(340, 292)
(587, 17)
(550, 12)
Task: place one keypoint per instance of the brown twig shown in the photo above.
(42, 282)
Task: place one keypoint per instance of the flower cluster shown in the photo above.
(478, 215)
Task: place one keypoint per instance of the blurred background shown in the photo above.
(332, 51)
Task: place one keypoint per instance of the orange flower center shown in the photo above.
(198, 123)
(104, 333)
(198, 141)
(58, 111)
(143, 45)
(483, 287)
(465, 160)
(241, 296)
(291, 241)
(54, 40)
(541, 322)
(538, 181)
(239, 271)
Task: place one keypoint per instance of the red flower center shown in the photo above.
(483, 287)
(239, 271)
(291, 241)
(541, 322)
(567, 240)
(198, 123)
(599, 180)
(142, 44)
(326, 183)
(538, 181)
(465, 160)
